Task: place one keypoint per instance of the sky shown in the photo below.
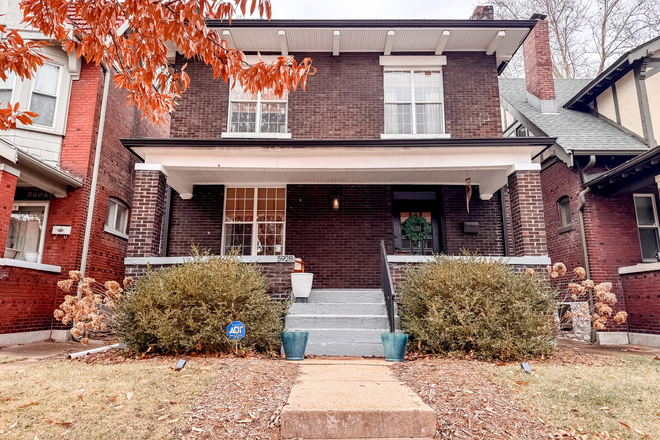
(371, 9)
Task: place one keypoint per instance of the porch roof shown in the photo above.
(189, 162)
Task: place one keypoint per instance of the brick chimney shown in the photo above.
(483, 13)
(539, 82)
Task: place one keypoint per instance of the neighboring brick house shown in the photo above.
(600, 179)
(398, 116)
(48, 178)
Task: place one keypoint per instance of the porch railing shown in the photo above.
(388, 287)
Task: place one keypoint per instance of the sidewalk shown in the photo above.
(352, 399)
(35, 353)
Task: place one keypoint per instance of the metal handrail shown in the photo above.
(388, 287)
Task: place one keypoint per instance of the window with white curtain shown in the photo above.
(262, 112)
(44, 94)
(6, 89)
(413, 102)
(26, 231)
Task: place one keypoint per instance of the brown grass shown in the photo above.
(620, 397)
(5, 359)
(127, 400)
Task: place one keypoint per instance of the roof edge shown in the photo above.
(462, 23)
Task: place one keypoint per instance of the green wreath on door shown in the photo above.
(408, 228)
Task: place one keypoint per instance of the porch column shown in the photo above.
(527, 220)
(144, 236)
(8, 179)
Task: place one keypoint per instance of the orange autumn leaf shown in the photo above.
(133, 37)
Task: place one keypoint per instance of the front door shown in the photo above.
(424, 204)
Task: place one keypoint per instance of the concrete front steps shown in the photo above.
(341, 322)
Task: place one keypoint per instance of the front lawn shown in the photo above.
(620, 396)
(126, 400)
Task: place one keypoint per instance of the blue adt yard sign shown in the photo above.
(236, 330)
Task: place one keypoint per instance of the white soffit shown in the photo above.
(375, 39)
(414, 61)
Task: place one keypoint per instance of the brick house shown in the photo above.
(398, 116)
(65, 185)
(599, 180)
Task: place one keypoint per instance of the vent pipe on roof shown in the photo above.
(539, 81)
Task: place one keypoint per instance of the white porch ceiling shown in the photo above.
(185, 167)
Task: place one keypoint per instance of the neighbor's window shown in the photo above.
(116, 218)
(564, 208)
(262, 112)
(44, 94)
(26, 231)
(6, 89)
(254, 220)
(413, 102)
(647, 226)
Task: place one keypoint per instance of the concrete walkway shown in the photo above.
(351, 399)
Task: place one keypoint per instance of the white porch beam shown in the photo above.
(442, 42)
(281, 36)
(227, 36)
(389, 42)
(495, 42)
(336, 35)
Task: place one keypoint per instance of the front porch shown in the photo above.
(331, 204)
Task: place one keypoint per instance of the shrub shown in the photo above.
(478, 306)
(188, 307)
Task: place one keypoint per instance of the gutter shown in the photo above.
(95, 174)
(382, 24)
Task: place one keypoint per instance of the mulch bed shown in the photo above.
(467, 404)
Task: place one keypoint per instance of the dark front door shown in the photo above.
(425, 204)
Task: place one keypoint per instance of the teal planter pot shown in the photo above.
(294, 344)
(394, 346)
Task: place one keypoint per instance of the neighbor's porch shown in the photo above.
(332, 206)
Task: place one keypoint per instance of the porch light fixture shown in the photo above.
(335, 203)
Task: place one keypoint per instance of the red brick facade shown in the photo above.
(527, 222)
(538, 62)
(642, 296)
(7, 190)
(147, 214)
(344, 100)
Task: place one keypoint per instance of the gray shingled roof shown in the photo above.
(574, 130)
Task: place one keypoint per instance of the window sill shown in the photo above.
(28, 265)
(231, 135)
(640, 268)
(42, 129)
(564, 229)
(113, 232)
(415, 136)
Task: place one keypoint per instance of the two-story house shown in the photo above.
(600, 180)
(65, 185)
(400, 121)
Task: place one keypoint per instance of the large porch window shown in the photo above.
(254, 220)
(27, 231)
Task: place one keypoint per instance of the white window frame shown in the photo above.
(58, 95)
(257, 126)
(412, 102)
(116, 203)
(42, 238)
(656, 226)
(254, 222)
(13, 91)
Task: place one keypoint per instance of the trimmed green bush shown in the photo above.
(473, 305)
(187, 307)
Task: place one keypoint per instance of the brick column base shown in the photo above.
(527, 218)
(144, 236)
(8, 179)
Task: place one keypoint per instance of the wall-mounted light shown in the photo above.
(335, 203)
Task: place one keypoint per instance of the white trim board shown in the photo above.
(143, 261)
(642, 267)
(518, 261)
(27, 265)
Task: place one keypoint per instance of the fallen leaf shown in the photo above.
(172, 421)
(657, 358)
(612, 376)
(29, 404)
(197, 429)
(128, 396)
(63, 423)
(163, 417)
(117, 407)
(244, 421)
(625, 424)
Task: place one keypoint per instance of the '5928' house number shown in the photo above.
(285, 259)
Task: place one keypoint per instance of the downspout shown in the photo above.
(95, 175)
(583, 235)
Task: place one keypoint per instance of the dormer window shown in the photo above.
(44, 94)
(262, 114)
(413, 102)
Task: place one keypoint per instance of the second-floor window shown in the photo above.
(44, 94)
(6, 89)
(262, 112)
(413, 102)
